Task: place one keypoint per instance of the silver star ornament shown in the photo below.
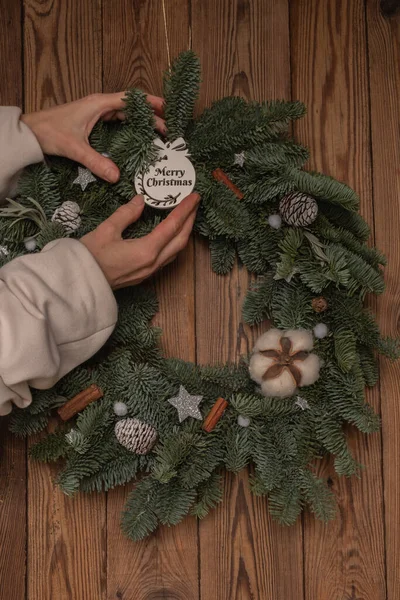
(302, 403)
(186, 405)
(84, 178)
(239, 159)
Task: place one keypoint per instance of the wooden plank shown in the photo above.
(66, 550)
(12, 515)
(384, 60)
(12, 450)
(135, 53)
(329, 73)
(244, 49)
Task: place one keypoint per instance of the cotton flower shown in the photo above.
(282, 361)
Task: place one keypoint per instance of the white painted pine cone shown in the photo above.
(135, 435)
(68, 214)
(298, 209)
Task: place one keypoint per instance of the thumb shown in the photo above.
(126, 214)
(96, 163)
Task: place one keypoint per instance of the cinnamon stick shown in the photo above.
(215, 414)
(219, 175)
(79, 402)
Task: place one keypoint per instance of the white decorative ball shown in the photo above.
(30, 244)
(321, 330)
(243, 421)
(120, 409)
(275, 221)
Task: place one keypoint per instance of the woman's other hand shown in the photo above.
(128, 262)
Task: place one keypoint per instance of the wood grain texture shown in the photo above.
(12, 515)
(12, 450)
(384, 60)
(244, 50)
(67, 546)
(62, 51)
(135, 53)
(344, 559)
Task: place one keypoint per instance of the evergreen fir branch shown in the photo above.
(173, 503)
(292, 308)
(389, 347)
(264, 191)
(239, 448)
(318, 496)
(345, 392)
(349, 240)
(257, 305)
(173, 452)
(225, 214)
(232, 125)
(78, 442)
(49, 233)
(102, 135)
(323, 187)
(329, 432)
(362, 275)
(50, 448)
(23, 424)
(139, 517)
(118, 471)
(275, 157)
(181, 89)
(345, 349)
(285, 503)
(223, 255)
(39, 183)
(346, 219)
(368, 365)
(267, 459)
(139, 115)
(289, 246)
(209, 494)
(255, 405)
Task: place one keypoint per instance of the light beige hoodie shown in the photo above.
(56, 307)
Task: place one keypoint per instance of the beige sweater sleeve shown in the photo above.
(56, 307)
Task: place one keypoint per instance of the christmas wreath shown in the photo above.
(130, 413)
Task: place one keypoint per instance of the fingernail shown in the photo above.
(25, 402)
(197, 196)
(111, 175)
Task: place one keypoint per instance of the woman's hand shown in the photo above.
(64, 130)
(128, 262)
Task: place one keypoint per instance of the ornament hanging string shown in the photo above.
(166, 34)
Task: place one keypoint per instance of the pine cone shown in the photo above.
(319, 304)
(135, 435)
(68, 215)
(298, 209)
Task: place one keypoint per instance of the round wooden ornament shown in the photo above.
(165, 183)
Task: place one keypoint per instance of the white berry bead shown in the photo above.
(321, 330)
(243, 421)
(275, 221)
(120, 409)
(30, 244)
